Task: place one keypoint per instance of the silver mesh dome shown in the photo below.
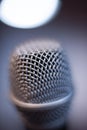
(41, 79)
(40, 73)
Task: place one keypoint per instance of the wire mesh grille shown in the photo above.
(41, 74)
(46, 116)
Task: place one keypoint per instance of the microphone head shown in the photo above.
(41, 83)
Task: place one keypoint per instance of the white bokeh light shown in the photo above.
(28, 13)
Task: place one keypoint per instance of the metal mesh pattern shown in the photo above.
(40, 74)
(45, 116)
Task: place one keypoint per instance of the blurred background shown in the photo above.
(69, 28)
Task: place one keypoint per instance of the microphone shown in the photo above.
(41, 83)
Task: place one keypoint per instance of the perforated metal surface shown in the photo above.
(40, 72)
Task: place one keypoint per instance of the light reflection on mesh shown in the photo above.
(40, 74)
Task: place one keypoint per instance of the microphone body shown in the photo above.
(41, 83)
